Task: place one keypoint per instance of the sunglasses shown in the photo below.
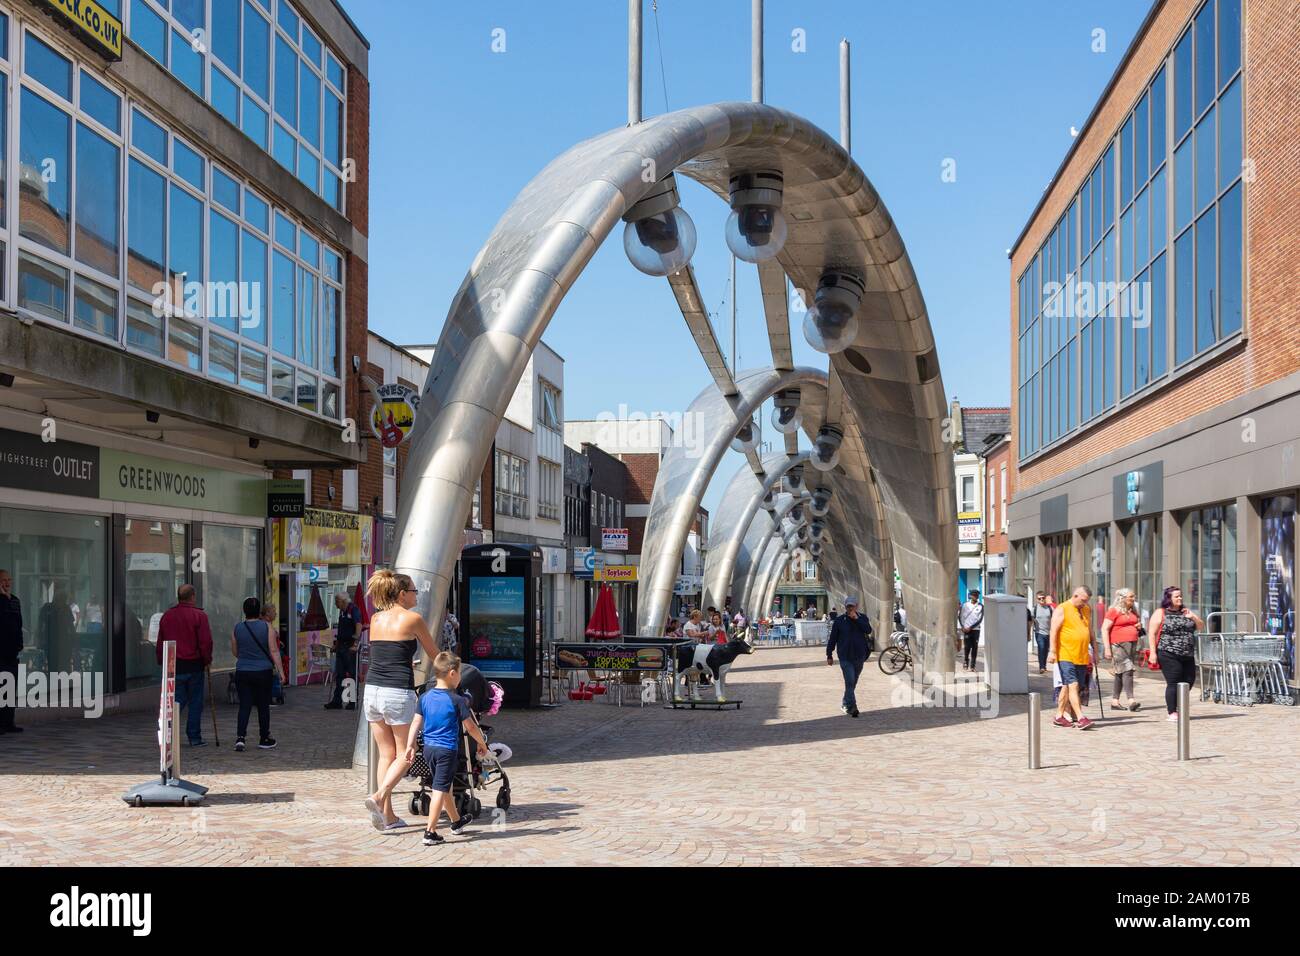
(410, 591)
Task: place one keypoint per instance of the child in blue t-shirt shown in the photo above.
(441, 715)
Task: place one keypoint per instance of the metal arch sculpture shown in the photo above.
(549, 234)
(736, 512)
(684, 476)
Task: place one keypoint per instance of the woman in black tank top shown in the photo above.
(397, 631)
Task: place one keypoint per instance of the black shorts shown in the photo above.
(442, 767)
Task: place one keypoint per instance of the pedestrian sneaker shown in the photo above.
(350, 707)
(853, 712)
(267, 743)
(1084, 723)
(239, 745)
(460, 825)
(844, 709)
(1063, 722)
(1172, 718)
(197, 743)
(333, 705)
(432, 839)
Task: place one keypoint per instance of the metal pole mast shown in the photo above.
(756, 52)
(846, 121)
(633, 62)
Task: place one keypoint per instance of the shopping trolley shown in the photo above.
(1242, 668)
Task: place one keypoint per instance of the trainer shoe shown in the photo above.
(432, 839)
(1172, 718)
(239, 745)
(460, 825)
(266, 744)
(1084, 723)
(333, 705)
(853, 712)
(1063, 722)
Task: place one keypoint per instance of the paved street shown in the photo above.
(785, 780)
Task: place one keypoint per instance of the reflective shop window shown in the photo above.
(233, 565)
(59, 566)
(154, 568)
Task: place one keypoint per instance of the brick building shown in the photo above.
(183, 291)
(1156, 379)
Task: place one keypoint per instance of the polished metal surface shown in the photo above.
(544, 241)
(684, 476)
(634, 47)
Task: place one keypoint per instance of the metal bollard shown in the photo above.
(1035, 731)
(1184, 722)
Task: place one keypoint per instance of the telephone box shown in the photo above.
(500, 621)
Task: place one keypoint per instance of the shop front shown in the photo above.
(317, 556)
(97, 541)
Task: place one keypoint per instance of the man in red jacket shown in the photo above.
(187, 625)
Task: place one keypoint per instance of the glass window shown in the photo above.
(185, 344)
(187, 63)
(333, 265)
(59, 564)
(1205, 85)
(1184, 297)
(1229, 39)
(306, 351)
(45, 149)
(1184, 186)
(1205, 173)
(1207, 298)
(184, 242)
(286, 233)
(331, 315)
(191, 13)
(148, 31)
(309, 105)
(330, 401)
(308, 249)
(144, 329)
(1158, 120)
(334, 71)
(98, 215)
(1277, 566)
(146, 227)
(283, 304)
(225, 190)
(225, 32)
(1230, 240)
(1208, 577)
(223, 305)
(257, 52)
(1159, 333)
(309, 169)
(332, 189)
(233, 573)
(287, 19)
(286, 81)
(252, 369)
(94, 308)
(155, 567)
(42, 287)
(1159, 214)
(282, 382)
(255, 288)
(1142, 562)
(311, 46)
(257, 212)
(225, 96)
(189, 165)
(1141, 127)
(255, 120)
(1183, 85)
(223, 357)
(46, 67)
(1230, 135)
(1126, 163)
(101, 103)
(286, 148)
(307, 391)
(148, 137)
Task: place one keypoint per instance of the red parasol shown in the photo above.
(604, 625)
(359, 599)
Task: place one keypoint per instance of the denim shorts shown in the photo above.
(442, 766)
(389, 705)
(1072, 673)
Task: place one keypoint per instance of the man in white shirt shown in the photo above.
(971, 618)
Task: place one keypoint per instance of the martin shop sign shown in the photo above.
(61, 467)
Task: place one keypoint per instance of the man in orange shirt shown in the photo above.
(1071, 650)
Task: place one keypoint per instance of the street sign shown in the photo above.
(286, 497)
(613, 539)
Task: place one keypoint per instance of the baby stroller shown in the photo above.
(473, 774)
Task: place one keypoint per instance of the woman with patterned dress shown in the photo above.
(1172, 634)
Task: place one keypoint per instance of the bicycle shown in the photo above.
(897, 656)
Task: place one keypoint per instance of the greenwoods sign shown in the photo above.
(157, 481)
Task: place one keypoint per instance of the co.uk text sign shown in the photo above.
(92, 22)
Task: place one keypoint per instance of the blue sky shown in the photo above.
(458, 130)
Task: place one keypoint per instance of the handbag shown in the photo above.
(261, 646)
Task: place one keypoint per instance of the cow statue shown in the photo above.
(710, 661)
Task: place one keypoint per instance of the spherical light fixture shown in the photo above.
(826, 448)
(659, 237)
(746, 439)
(821, 502)
(756, 228)
(831, 325)
(792, 481)
(787, 416)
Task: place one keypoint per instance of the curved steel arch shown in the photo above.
(684, 476)
(736, 511)
(548, 235)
